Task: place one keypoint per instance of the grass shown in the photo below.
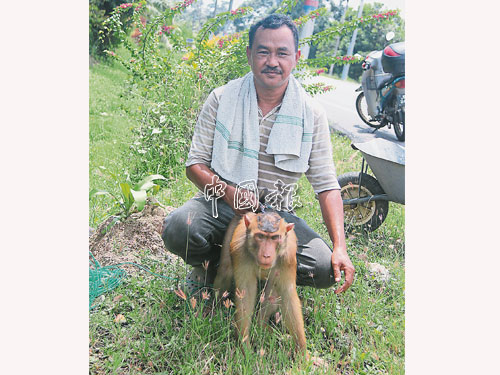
(111, 119)
(358, 332)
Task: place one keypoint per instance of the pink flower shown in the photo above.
(200, 76)
(168, 29)
(319, 71)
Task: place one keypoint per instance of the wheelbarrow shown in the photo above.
(366, 198)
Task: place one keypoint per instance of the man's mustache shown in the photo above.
(269, 70)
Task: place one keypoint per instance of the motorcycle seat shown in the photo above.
(385, 80)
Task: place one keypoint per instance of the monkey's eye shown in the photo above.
(259, 236)
(276, 237)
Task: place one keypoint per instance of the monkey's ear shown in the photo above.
(247, 220)
(289, 227)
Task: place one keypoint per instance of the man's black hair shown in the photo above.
(274, 21)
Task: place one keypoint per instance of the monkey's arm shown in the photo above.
(332, 210)
(246, 293)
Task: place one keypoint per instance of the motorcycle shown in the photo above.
(382, 98)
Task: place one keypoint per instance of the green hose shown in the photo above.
(102, 279)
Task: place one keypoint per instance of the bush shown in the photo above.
(99, 38)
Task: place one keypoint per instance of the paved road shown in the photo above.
(340, 106)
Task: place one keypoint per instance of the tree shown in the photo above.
(369, 39)
(324, 22)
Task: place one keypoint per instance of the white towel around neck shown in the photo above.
(235, 154)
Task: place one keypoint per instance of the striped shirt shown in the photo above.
(321, 173)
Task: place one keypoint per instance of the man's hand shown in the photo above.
(331, 205)
(201, 175)
(341, 262)
(229, 199)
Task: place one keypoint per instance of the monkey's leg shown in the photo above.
(292, 314)
(246, 292)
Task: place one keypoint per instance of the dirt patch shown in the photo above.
(138, 236)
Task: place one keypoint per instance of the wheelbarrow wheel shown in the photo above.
(369, 215)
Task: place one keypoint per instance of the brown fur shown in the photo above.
(250, 254)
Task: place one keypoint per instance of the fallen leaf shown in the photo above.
(318, 362)
(120, 319)
(379, 271)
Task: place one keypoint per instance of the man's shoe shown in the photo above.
(198, 278)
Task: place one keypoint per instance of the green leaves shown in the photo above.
(220, 19)
(348, 27)
(128, 198)
(132, 197)
(286, 6)
(147, 183)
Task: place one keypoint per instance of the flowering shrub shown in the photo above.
(174, 77)
(347, 27)
(318, 88)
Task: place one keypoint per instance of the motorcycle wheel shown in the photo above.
(369, 215)
(362, 109)
(399, 120)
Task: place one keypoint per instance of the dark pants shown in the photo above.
(192, 233)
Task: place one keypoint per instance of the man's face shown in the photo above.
(272, 57)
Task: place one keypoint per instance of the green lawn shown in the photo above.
(358, 332)
(111, 109)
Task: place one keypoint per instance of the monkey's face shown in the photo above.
(267, 231)
(267, 247)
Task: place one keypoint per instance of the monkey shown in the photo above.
(262, 247)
